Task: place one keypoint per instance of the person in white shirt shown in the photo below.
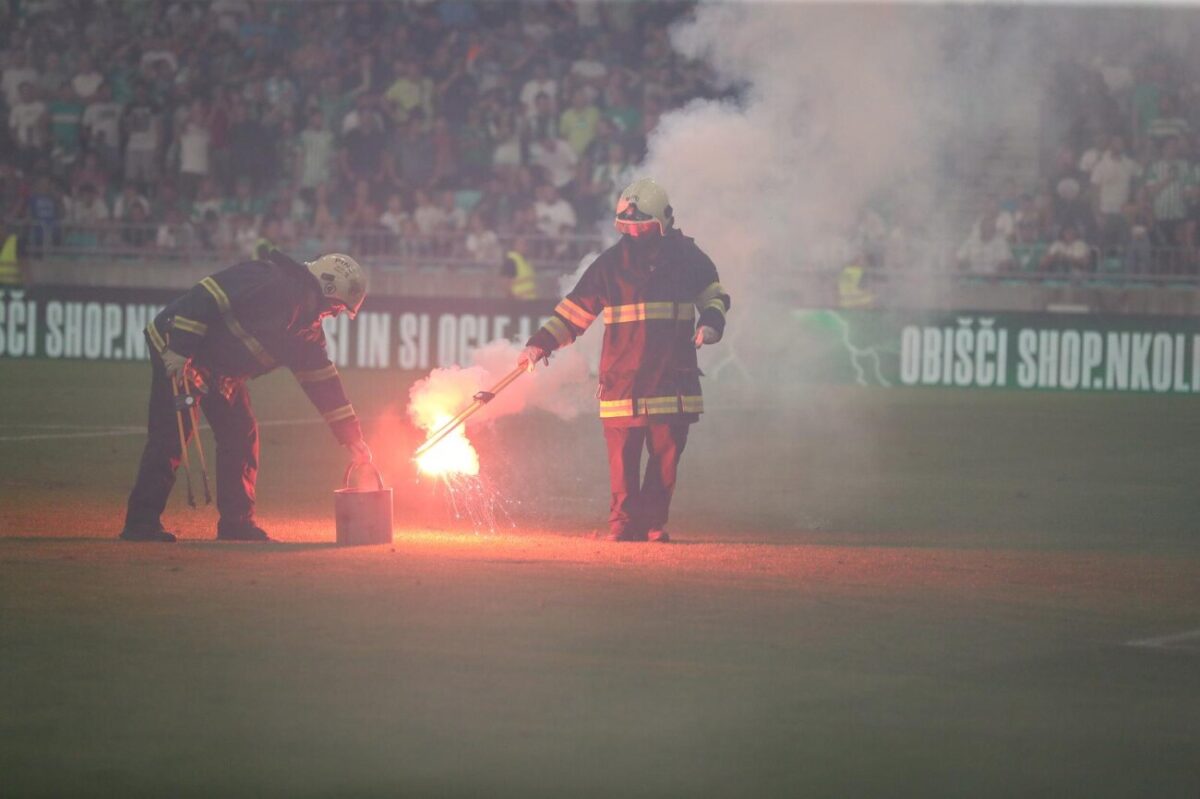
(16, 72)
(1068, 253)
(102, 126)
(28, 120)
(986, 251)
(87, 79)
(540, 82)
(556, 157)
(88, 207)
(555, 216)
(1113, 176)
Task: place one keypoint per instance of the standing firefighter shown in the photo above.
(648, 286)
(235, 325)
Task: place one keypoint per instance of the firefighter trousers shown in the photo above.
(236, 432)
(642, 505)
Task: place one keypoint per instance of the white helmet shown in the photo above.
(341, 279)
(642, 207)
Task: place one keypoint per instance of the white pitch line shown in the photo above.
(141, 431)
(1167, 641)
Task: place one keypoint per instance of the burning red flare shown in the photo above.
(453, 455)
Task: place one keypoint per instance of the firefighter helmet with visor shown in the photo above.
(343, 282)
(643, 208)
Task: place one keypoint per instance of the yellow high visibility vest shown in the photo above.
(9, 274)
(851, 294)
(524, 282)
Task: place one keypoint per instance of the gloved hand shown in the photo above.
(360, 453)
(175, 364)
(705, 335)
(531, 355)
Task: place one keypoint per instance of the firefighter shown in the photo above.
(649, 287)
(232, 326)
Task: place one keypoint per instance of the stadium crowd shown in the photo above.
(327, 126)
(460, 129)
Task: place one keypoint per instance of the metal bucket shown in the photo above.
(363, 515)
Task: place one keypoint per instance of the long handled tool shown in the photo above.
(185, 403)
(180, 404)
(200, 449)
(480, 399)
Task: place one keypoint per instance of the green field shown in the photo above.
(874, 593)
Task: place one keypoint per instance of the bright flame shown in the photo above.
(453, 455)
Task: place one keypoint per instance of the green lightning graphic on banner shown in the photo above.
(1156, 354)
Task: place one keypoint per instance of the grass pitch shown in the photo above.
(875, 593)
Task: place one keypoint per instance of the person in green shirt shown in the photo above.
(66, 120)
(577, 125)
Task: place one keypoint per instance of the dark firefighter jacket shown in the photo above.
(648, 369)
(248, 319)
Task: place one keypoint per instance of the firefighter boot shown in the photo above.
(146, 532)
(241, 531)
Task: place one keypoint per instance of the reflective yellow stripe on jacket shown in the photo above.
(189, 325)
(156, 338)
(574, 313)
(643, 311)
(316, 375)
(711, 298)
(235, 327)
(651, 406)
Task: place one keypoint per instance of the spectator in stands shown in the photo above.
(589, 71)
(126, 200)
(1068, 254)
(577, 125)
(555, 216)
(142, 124)
(482, 243)
(394, 218)
(17, 71)
(416, 152)
(362, 147)
(1071, 207)
(29, 125)
(1167, 183)
(985, 251)
(138, 231)
(543, 121)
(88, 207)
(410, 91)
(102, 128)
(87, 78)
(430, 218)
(193, 142)
(619, 108)
(540, 83)
(1113, 175)
(315, 151)
(1168, 123)
(555, 157)
(207, 199)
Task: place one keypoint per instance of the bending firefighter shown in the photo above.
(240, 323)
(648, 287)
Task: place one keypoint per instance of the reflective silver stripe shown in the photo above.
(235, 327)
(338, 414)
